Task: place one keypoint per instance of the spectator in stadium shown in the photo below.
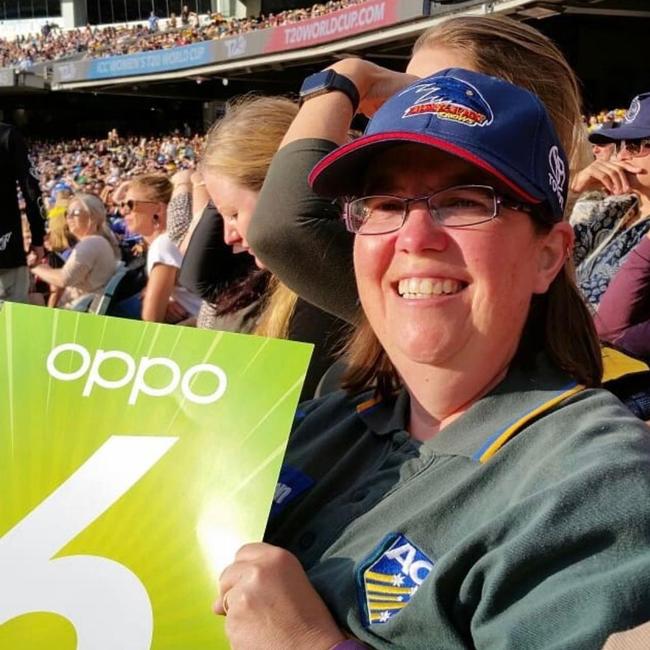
(453, 497)
(145, 213)
(236, 157)
(15, 166)
(601, 146)
(603, 150)
(93, 260)
(617, 223)
(185, 15)
(153, 22)
(111, 40)
(300, 236)
(233, 289)
(59, 242)
(623, 317)
(210, 269)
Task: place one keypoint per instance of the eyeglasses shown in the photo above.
(455, 207)
(637, 148)
(131, 203)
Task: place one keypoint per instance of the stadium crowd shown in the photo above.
(186, 28)
(481, 480)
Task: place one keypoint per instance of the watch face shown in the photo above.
(317, 82)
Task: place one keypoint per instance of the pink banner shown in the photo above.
(346, 22)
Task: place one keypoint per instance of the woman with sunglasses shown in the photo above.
(615, 225)
(471, 487)
(145, 213)
(94, 258)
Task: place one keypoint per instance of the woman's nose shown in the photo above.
(421, 230)
(230, 235)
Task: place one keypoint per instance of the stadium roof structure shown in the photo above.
(385, 33)
(275, 60)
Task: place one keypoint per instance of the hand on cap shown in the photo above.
(374, 83)
(612, 175)
(269, 603)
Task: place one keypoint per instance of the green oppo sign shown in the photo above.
(135, 459)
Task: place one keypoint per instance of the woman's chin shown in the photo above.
(426, 349)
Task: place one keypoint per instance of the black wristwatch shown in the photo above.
(327, 81)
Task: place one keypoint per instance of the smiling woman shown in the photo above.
(466, 508)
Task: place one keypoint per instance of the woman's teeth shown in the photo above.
(426, 287)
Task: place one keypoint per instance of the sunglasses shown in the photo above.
(131, 203)
(639, 147)
(74, 214)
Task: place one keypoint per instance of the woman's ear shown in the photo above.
(555, 248)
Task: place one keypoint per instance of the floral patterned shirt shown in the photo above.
(603, 242)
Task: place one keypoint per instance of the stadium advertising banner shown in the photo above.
(344, 23)
(135, 458)
(339, 24)
(175, 58)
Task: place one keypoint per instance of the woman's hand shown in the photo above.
(182, 177)
(269, 603)
(613, 175)
(175, 313)
(374, 83)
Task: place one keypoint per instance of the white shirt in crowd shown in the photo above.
(164, 251)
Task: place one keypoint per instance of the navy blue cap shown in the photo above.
(601, 136)
(635, 126)
(501, 128)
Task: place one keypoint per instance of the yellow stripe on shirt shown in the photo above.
(514, 428)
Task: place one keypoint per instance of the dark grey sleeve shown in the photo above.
(300, 237)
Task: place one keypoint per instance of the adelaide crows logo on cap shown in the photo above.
(451, 99)
(390, 578)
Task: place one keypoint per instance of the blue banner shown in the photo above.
(176, 58)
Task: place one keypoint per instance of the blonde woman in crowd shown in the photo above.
(145, 213)
(59, 243)
(93, 260)
(236, 157)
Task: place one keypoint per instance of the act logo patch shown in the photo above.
(391, 577)
(451, 99)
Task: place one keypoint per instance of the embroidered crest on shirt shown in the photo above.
(451, 99)
(391, 577)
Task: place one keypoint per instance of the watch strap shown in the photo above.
(326, 81)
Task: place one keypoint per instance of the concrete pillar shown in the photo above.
(73, 13)
(248, 8)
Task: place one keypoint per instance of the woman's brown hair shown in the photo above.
(559, 322)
